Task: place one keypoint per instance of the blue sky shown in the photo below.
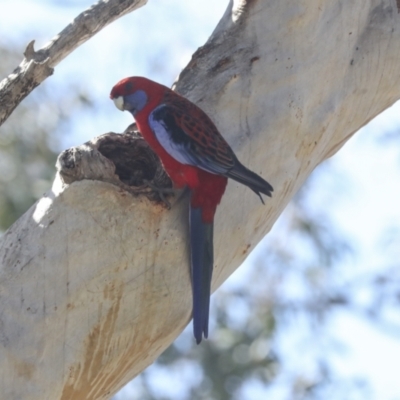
(147, 42)
(150, 42)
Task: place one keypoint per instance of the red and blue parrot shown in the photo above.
(196, 156)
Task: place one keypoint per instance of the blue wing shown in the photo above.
(189, 136)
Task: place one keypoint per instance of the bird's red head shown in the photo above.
(126, 86)
(134, 93)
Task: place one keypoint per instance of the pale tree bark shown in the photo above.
(95, 279)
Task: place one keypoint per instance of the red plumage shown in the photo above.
(207, 188)
(195, 155)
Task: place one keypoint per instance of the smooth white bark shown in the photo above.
(95, 281)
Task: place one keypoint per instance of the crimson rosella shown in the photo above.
(195, 155)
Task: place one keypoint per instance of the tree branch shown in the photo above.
(94, 281)
(38, 65)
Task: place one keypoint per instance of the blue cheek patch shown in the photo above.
(136, 101)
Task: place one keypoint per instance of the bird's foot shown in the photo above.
(162, 192)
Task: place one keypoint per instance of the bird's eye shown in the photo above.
(128, 87)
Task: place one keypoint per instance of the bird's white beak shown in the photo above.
(119, 103)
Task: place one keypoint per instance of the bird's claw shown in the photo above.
(161, 192)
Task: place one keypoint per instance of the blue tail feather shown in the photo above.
(249, 178)
(202, 261)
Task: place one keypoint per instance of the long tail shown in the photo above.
(249, 178)
(202, 261)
